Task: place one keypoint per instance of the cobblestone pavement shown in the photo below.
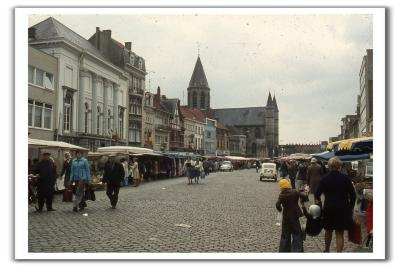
(227, 212)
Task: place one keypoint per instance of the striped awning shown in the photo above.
(356, 145)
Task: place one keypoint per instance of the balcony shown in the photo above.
(176, 145)
(135, 91)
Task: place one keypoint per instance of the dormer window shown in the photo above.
(140, 63)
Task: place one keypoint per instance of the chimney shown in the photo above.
(157, 99)
(107, 34)
(128, 45)
(97, 29)
(158, 91)
(31, 33)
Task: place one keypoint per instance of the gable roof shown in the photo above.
(193, 114)
(241, 116)
(198, 78)
(52, 29)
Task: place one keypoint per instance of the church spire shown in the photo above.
(199, 78)
(269, 101)
(275, 104)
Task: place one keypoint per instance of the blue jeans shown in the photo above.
(126, 181)
(291, 237)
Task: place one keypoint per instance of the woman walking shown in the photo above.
(338, 205)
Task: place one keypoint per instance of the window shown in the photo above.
(40, 78)
(202, 100)
(140, 63)
(67, 113)
(132, 60)
(134, 132)
(109, 120)
(86, 117)
(39, 114)
(194, 95)
(98, 120)
(258, 133)
(121, 123)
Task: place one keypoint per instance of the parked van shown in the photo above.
(268, 171)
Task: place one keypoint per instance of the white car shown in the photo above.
(226, 166)
(268, 171)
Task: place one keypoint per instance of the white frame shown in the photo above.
(44, 75)
(42, 117)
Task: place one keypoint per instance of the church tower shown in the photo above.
(276, 127)
(198, 92)
(270, 126)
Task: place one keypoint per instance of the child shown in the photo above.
(314, 219)
(291, 229)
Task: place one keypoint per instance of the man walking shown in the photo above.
(80, 175)
(113, 176)
(313, 177)
(46, 170)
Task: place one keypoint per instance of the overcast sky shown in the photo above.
(310, 62)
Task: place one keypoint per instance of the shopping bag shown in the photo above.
(67, 195)
(355, 232)
(89, 193)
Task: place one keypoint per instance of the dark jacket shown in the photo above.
(314, 173)
(113, 173)
(67, 171)
(339, 200)
(289, 200)
(47, 177)
(313, 226)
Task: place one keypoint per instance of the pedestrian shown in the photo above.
(292, 172)
(113, 175)
(314, 222)
(46, 169)
(284, 168)
(134, 173)
(80, 176)
(291, 235)
(313, 176)
(66, 170)
(301, 176)
(125, 165)
(257, 165)
(338, 205)
(199, 170)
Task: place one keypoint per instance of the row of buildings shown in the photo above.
(91, 92)
(360, 124)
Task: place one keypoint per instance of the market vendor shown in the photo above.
(46, 169)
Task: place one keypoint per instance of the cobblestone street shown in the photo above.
(227, 212)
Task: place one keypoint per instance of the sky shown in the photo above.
(310, 62)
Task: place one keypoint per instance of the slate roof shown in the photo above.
(241, 116)
(169, 104)
(52, 29)
(199, 78)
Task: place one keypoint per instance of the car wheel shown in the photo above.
(275, 179)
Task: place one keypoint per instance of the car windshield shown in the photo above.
(226, 162)
(269, 166)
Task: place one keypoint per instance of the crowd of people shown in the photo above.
(306, 182)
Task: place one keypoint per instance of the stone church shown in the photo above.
(260, 125)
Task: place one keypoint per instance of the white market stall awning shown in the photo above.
(37, 143)
(138, 151)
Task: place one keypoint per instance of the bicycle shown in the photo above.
(32, 191)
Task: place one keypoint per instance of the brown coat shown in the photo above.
(314, 173)
(289, 200)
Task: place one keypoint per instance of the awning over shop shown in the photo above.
(54, 144)
(363, 145)
(128, 150)
(329, 154)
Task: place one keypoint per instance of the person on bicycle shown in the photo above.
(46, 169)
(80, 175)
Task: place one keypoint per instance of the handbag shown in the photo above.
(89, 193)
(355, 232)
(67, 195)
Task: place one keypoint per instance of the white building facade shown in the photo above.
(92, 92)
